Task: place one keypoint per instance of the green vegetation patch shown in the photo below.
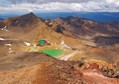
(53, 52)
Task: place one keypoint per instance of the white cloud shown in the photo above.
(89, 6)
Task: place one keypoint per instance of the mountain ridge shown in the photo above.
(74, 27)
(84, 26)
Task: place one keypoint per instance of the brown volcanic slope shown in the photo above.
(11, 47)
(84, 29)
(106, 40)
(23, 24)
(75, 31)
(31, 28)
(37, 68)
(104, 35)
(24, 27)
(81, 27)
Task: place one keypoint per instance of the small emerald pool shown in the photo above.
(53, 52)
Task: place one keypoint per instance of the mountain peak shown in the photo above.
(31, 14)
(27, 19)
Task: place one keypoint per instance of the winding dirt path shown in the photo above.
(66, 57)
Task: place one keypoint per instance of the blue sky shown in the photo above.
(24, 6)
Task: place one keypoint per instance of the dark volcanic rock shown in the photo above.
(2, 24)
(106, 40)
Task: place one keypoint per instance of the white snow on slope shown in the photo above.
(4, 28)
(27, 44)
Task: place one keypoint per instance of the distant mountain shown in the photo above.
(22, 27)
(101, 16)
(95, 16)
(23, 23)
(25, 20)
(77, 26)
(31, 27)
(1, 19)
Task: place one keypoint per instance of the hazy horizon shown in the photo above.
(95, 16)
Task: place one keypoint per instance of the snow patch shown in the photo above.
(34, 45)
(4, 28)
(65, 45)
(2, 39)
(10, 49)
(8, 44)
(27, 44)
(16, 21)
(62, 42)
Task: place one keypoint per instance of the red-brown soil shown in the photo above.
(48, 70)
